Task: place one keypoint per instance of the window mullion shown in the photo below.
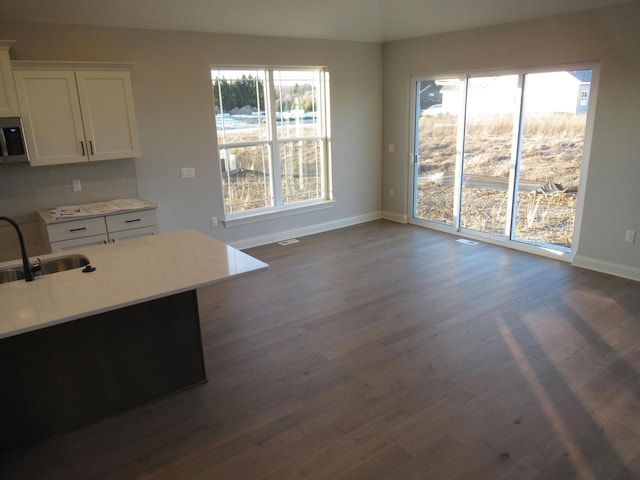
(274, 146)
(460, 151)
(324, 129)
(514, 167)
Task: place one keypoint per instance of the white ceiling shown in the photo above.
(359, 20)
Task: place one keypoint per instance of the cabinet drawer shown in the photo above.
(74, 243)
(133, 233)
(126, 221)
(76, 229)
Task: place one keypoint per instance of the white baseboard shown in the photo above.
(395, 217)
(302, 231)
(616, 269)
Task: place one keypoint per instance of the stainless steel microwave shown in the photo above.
(13, 148)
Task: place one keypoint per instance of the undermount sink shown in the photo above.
(12, 273)
(60, 264)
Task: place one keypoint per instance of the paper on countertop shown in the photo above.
(68, 211)
(128, 203)
(96, 208)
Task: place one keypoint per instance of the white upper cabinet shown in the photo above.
(106, 102)
(51, 117)
(73, 116)
(8, 98)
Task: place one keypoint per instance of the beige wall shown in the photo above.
(610, 36)
(174, 106)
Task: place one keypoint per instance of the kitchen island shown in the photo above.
(78, 346)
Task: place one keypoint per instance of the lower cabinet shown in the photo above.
(87, 232)
(71, 244)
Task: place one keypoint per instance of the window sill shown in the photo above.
(247, 218)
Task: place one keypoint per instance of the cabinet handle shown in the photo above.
(134, 220)
(91, 145)
(82, 145)
(77, 229)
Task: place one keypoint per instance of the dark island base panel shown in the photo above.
(62, 377)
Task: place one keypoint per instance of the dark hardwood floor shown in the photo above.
(387, 351)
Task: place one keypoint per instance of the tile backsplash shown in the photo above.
(25, 189)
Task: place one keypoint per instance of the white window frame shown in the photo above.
(273, 143)
(584, 168)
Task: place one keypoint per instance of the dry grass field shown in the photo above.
(551, 153)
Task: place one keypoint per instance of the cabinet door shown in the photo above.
(8, 98)
(51, 116)
(106, 100)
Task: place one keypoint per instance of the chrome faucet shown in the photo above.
(26, 265)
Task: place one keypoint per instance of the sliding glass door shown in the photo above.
(436, 146)
(554, 116)
(501, 156)
(492, 103)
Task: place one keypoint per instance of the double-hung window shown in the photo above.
(272, 135)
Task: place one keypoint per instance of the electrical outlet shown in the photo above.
(77, 185)
(189, 172)
(214, 221)
(391, 192)
(392, 148)
(630, 237)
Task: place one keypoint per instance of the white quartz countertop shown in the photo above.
(127, 273)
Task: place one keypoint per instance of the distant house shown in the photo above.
(584, 89)
(566, 92)
(429, 94)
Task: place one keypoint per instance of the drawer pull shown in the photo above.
(134, 220)
(78, 229)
